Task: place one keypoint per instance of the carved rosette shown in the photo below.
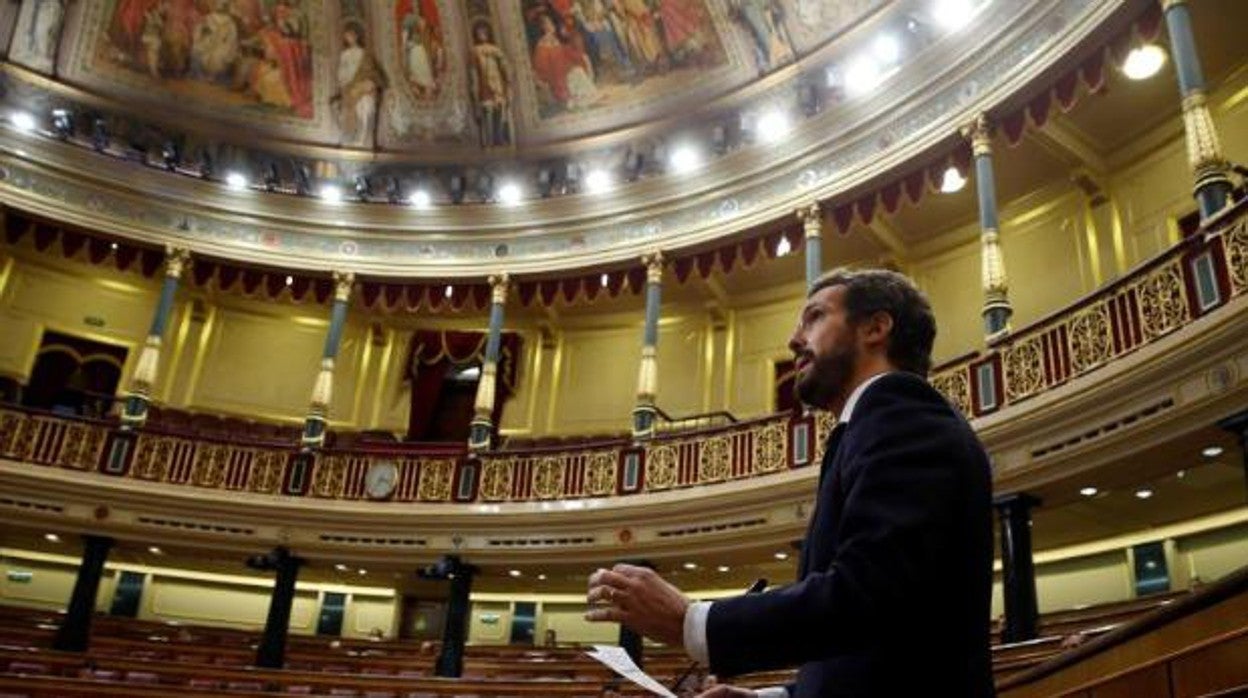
(1163, 300)
(1090, 338)
(548, 478)
(770, 447)
(1236, 241)
(956, 387)
(266, 472)
(328, 476)
(715, 459)
(435, 480)
(496, 479)
(600, 473)
(661, 463)
(1024, 369)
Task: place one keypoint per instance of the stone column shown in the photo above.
(1204, 151)
(451, 659)
(323, 389)
(997, 309)
(75, 630)
(481, 434)
(271, 654)
(134, 413)
(812, 223)
(645, 412)
(1018, 572)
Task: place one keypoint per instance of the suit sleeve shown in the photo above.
(902, 487)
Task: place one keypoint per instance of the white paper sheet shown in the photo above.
(617, 660)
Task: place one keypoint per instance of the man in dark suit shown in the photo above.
(893, 589)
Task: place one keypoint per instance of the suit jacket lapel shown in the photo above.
(827, 464)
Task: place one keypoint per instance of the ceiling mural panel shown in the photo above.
(810, 23)
(36, 34)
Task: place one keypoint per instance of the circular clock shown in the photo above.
(380, 479)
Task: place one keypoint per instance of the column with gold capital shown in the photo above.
(481, 431)
(997, 309)
(134, 413)
(1204, 152)
(645, 412)
(323, 389)
(812, 223)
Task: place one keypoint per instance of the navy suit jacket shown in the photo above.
(894, 585)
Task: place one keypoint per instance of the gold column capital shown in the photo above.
(343, 281)
(654, 266)
(177, 261)
(499, 284)
(979, 133)
(811, 216)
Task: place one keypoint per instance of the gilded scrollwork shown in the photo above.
(661, 462)
(1089, 338)
(600, 473)
(80, 447)
(824, 423)
(956, 387)
(328, 476)
(208, 469)
(1236, 241)
(1163, 300)
(266, 472)
(10, 424)
(770, 447)
(152, 455)
(496, 479)
(435, 480)
(1024, 369)
(548, 478)
(715, 459)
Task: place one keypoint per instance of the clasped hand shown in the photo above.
(640, 599)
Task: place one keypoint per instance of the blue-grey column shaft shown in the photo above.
(812, 226)
(322, 390)
(997, 309)
(1204, 152)
(645, 412)
(134, 412)
(481, 431)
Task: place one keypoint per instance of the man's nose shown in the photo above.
(797, 343)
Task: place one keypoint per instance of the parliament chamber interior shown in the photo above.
(342, 340)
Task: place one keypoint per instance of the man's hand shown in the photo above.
(724, 691)
(640, 599)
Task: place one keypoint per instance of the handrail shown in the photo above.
(668, 423)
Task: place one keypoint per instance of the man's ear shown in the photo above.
(878, 328)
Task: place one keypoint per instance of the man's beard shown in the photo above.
(824, 378)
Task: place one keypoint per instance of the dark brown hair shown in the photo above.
(870, 291)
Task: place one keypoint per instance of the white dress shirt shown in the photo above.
(695, 617)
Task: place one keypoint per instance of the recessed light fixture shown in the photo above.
(723, 568)
(1144, 62)
(22, 121)
(862, 76)
(886, 48)
(684, 159)
(155, 550)
(331, 194)
(421, 199)
(449, 290)
(52, 538)
(772, 126)
(603, 280)
(509, 194)
(362, 571)
(541, 577)
(597, 181)
(782, 556)
(952, 14)
(1211, 451)
(514, 573)
(1144, 493)
(112, 246)
(783, 247)
(236, 181)
(340, 567)
(290, 280)
(952, 181)
(1089, 491)
(690, 565)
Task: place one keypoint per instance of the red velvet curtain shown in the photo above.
(435, 353)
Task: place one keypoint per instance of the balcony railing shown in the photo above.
(1187, 282)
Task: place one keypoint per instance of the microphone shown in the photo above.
(757, 587)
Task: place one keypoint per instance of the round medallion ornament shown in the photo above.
(380, 479)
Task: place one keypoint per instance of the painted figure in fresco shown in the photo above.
(641, 35)
(422, 45)
(763, 20)
(360, 82)
(151, 39)
(214, 46)
(563, 69)
(685, 26)
(597, 24)
(284, 42)
(491, 87)
(44, 30)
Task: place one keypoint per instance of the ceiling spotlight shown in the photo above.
(236, 181)
(62, 123)
(112, 246)
(602, 280)
(597, 181)
(772, 126)
(1144, 62)
(421, 199)
(22, 121)
(953, 181)
(509, 194)
(1144, 493)
(155, 550)
(862, 76)
(331, 194)
(886, 48)
(1088, 491)
(362, 571)
(783, 247)
(52, 538)
(723, 568)
(340, 567)
(290, 280)
(1211, 451)
(449, 290)
(690, 565)
(952, 14)
(684, 159)
(781, 556)
(541, 577)
(514, 573)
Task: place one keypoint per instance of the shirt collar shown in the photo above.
(852, 402)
